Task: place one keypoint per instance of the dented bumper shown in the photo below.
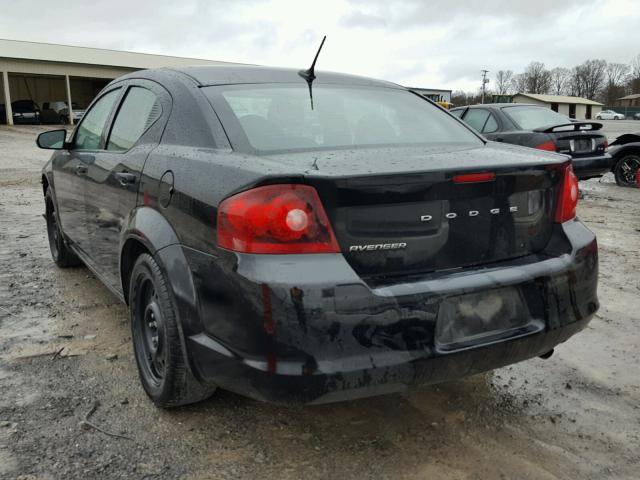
(309, 329)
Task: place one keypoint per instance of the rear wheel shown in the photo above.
(625, 170)
(60, 251)
(160, 356)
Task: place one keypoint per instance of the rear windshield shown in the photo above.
(530, 117)
(282, 117)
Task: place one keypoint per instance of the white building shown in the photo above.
(44, 72)
(573, 107)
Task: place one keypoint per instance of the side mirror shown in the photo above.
(53, 140)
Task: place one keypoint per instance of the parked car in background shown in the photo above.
(625, 151)
(636, 116)
(609, 115)
(49, 115)
(314, 237)
(542, 128)
(63, 110)
(26, 111)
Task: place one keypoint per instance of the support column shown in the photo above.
(69, 104)
(7, 98)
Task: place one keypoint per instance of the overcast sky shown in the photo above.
(437, 43)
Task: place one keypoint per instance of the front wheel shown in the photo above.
(160, 356)
(626, 169)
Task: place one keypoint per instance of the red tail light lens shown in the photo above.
(568, 196)
(275, 219)
(606, 145)
(475, 177)
(548, 146)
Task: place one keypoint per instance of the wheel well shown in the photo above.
(627, 151)
(45, 184)
(131, 250)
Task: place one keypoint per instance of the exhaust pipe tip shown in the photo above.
(544, 356)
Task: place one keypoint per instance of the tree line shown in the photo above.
(596, 80)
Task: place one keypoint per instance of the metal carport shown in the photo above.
(46, 72)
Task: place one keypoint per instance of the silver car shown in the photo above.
(609, 115)
(61, 109)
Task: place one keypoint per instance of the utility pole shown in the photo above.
(485, 80)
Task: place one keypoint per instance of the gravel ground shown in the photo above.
(65, 344)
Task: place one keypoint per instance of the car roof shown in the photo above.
(206, 75)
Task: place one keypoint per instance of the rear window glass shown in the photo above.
(282, 117)
(530, 117)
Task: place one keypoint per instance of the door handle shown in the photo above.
(499, 139)
(126, 178)
(81, 169)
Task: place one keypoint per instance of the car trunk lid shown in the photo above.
(406, 210)
(578, 139)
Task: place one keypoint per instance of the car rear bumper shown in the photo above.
(309, 330)
(589, 167)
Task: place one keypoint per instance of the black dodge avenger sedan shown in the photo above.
(314, 239)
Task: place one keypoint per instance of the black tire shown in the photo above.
(625, 170)
(160, 355)
(60, 251)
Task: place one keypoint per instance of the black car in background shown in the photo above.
(314, 238)
(26, 111)
(539, 127)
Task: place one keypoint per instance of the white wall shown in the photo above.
(563, 108)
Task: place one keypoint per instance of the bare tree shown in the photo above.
(588, 79)
(459, 98)
(559, 81)
(633, 86)
(504, 82)
(519, 83)
(635, 66)
(575, 86)
(617, 75)
(537, 78)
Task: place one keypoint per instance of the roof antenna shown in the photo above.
(309, 74)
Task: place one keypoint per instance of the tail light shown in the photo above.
(549, 146)
(606, 145)
(475, 177)
(568, 195)
(275, 219)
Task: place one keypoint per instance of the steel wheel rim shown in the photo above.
(149, 335)
(628, 168)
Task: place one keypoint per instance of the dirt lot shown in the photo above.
(575, 415)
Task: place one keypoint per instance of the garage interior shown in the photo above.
(45, 73)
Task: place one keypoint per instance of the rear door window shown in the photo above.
(476, 118)
(89, 133)
(491, 125)
(137, 113)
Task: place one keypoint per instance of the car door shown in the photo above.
(113, 178)
(71, 166)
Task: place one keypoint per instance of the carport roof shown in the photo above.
(630, 97)
(559, 99)
(48, 52)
